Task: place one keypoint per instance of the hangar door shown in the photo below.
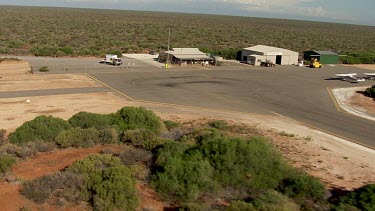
(278, 59)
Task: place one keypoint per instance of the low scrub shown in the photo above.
(108, 136)
(77, 137)
(171, 124)
(43, 69)
(6, 162)
(109, 184)
(134, 156)
(60, 185)
(370, 92)
(131, 118)
(138, 136)
(42, 128)
(87, 120)
(360, 199)
(301, 186)
(219, 124)
(5, 59)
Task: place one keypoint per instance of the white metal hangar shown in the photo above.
(260, 53)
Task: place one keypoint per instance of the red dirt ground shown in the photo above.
(48, 163)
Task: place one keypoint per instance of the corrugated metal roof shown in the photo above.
(266, 49)
(326, 52)
(188, 53)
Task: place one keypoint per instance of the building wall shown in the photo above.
(286, 59)
(329, 59)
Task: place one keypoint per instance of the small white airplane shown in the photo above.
(351, 77)
(370, 76)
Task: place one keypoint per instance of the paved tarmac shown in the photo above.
(31, 93)
(296, 92)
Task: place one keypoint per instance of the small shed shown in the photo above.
(256, 54)
(324, 57)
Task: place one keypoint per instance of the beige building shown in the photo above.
(260, 53)
(185, 56)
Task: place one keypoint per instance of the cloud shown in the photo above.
(298, 7)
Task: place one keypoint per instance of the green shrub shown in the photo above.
(362, 199)
(65, 185)
(42, 128)
(112, 189)
(108, 136)
(219, 124)
(370, 92)
(247, 164)
(44, 69)
(6, 162)
(115, 52)
(130, 118)
(171, 124)
(94, 163)
(300, 186)
(77, 137)
(184, 177)
(241, 206)
(154, 143)
(87, 120)
(138, 136)
(9, 59)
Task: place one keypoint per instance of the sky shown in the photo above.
(341, 11)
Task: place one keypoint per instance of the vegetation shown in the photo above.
(109, 184)
(86, 120)
(360, 199)
(42, 128)
(367, 57)
(131, 118)
(246, 167)
(80, 32)
(77, 137)
(9, 59)
(6, 162)
(43, 69)
(188, 167)
(370, 92)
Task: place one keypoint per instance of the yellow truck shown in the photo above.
(315, 63)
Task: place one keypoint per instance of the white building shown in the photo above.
(259, 53)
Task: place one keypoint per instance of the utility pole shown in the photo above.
(169, 40)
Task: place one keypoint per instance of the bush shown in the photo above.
(94, 163)
(65, 185)
(251, 165)
(9, 59)
(3, 134)
(44, 69)
(183, 176)
(6, 162)
(138, 136)
(135, 156)
(219, 124)
(130, 118)
(154, 143)
(370, 92)
(171, 124)
(300, 186)
(77, 137)
(87, 120)
(362, 198)
(108, 136)
(112, 189)
(42, 128)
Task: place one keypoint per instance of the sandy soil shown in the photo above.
(365, 66)
(8, 68)
(43, 82)
(15, 111)
(352, 101)
(364, 102)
